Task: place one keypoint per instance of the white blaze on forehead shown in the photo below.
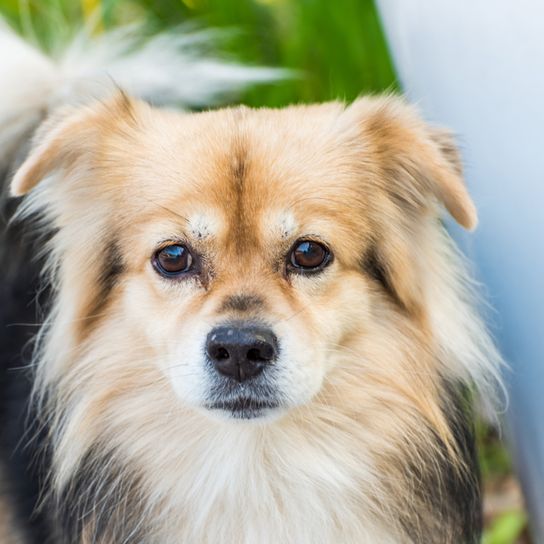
(204, 224)
(282, 223)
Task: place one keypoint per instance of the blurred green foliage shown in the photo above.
(495, 462)
(337, 48)
(506, 529)
(508, 526)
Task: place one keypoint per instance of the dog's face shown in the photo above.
(244, 253)
(246, 269)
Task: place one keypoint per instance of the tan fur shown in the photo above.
(365, 368)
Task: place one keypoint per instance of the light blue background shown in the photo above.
(477, 66)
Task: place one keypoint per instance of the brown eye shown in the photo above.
(173, 260)
(308, 256)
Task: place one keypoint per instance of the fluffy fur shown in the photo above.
(371, 440)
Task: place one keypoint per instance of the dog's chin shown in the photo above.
(246, 408)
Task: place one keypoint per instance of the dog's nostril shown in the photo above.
(254, 354)
(263, 353)
(221, 354)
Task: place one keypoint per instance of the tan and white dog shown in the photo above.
(259, 329)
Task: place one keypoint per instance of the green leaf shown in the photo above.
(506, 529)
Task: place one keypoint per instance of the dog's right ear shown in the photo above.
(66, 138)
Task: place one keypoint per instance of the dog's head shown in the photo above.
(244, 256)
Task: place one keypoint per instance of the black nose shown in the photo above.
(241, 351)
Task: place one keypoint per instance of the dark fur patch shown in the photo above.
(22, 432)
(376, 269)
(102, 502)
(112, 268)
(241, 303)
(463, 488)
(448, 497)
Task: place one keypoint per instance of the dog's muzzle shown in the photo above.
(242, 357)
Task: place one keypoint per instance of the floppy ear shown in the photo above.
(66, 138)
(446, 179)
(73, 149)
(418, 166)
(419, 163)
(58, 142)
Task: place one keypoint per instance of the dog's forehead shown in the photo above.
(206, 224)
(245, 172)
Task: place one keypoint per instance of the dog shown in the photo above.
(256, 327)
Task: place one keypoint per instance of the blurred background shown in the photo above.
(337, 50)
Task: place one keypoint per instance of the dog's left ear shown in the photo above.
(419, 162)
(67, 138)
(408, 168)
(446, 179)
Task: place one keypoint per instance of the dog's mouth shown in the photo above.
(255, 398)
(244, 407)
